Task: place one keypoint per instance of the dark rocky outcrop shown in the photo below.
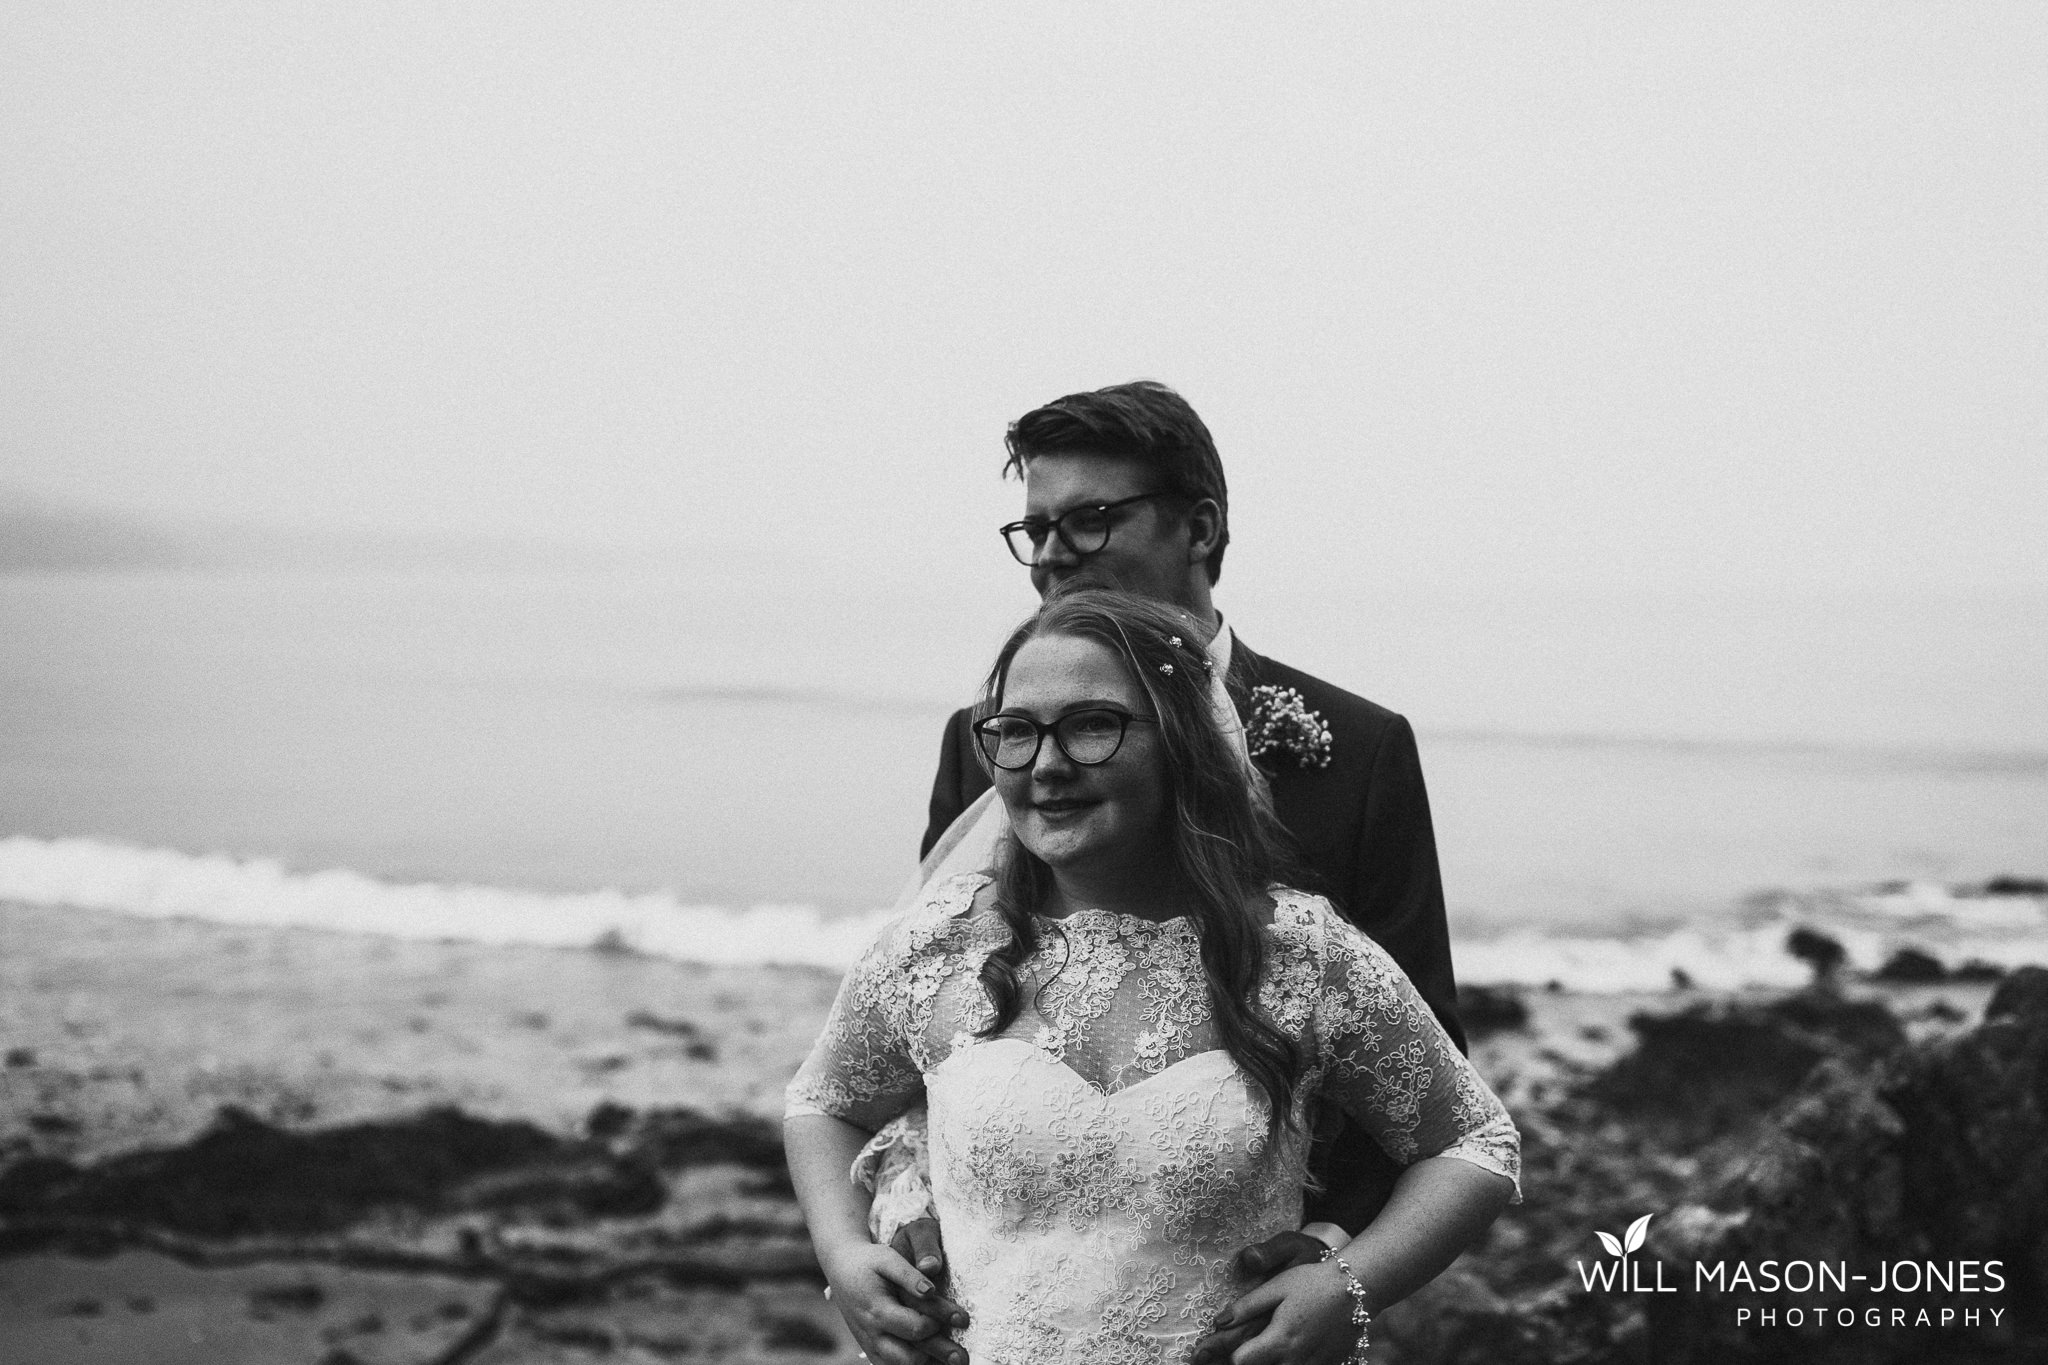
(1824, 954)
(247, 1178)
(244, 1177)
(1816, 1133)
(1939, 1154)
(1713, 1069)
(643, 1233)
(1491, 1009)
(673, 1139)
(1910, 966)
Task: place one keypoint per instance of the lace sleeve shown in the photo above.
(896, 1164)
(1392, 1067)
(861, 1069)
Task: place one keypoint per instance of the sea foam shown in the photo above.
(165, 883)
(1746, 947)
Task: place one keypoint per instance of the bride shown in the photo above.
(1121, 1034)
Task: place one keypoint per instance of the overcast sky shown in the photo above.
(1470, 295)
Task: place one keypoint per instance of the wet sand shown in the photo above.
(120, 1034)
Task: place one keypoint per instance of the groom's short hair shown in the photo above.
(1143, 421)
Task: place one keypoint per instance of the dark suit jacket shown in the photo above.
(1362, 831)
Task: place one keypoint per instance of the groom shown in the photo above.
(1123, 487)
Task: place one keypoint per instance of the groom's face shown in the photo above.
(1147, 551)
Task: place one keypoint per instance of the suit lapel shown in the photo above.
(1247, 671)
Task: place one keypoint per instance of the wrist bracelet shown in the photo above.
(1361, 1316)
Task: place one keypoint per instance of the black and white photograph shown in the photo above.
(1038, 685)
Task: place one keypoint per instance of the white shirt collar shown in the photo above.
(1220, 646)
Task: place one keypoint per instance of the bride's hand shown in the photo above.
(1310, 1323)
(864, 1281)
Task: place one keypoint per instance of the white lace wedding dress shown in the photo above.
(1097, 1166)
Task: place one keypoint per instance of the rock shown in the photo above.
(1457, 1319)
(608, 1120)
(564, 1190)
(26, 1182)
(696, 1044)
(1818, 951)
(1938, 1154)
(2022, 996)
(1436, 1322)
(1976, 1116)
(1717, 1067)
(584, 1337)
(301, 1297)
(1491, 1009)
(1875, 1151)
(675, 1139)
(783, 1332)
(613, 943)
(243, 1177)
(1911, 966)
(1857, 1030)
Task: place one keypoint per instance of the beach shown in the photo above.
(125, 1035)
(259, 1143)
(407, 967)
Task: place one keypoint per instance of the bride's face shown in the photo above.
(1077, 817)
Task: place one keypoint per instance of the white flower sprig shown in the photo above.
(1282, 725)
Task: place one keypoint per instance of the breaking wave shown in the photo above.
(164, 883)
(1746, 947)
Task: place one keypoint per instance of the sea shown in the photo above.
(1629, 787)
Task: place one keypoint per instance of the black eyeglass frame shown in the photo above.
(986, 739)
(1057, 527)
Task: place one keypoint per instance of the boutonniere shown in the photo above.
(1281, 725)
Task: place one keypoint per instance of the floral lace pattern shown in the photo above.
(1097, 1165)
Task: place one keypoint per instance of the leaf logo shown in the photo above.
(1629, 1240)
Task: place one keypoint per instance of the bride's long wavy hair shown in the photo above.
(1227, 848)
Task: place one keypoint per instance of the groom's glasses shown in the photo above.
(1084, 530)
(1086, 737)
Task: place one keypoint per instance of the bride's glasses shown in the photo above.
(1086, 737)
(1083, 530)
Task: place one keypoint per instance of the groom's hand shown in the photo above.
(897, 1315)
(918, 1243)
(937, 1349)
(1255, 1265)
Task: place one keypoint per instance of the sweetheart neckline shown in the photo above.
(1042, 1055)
